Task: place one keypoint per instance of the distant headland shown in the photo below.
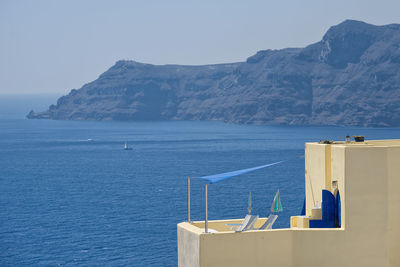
(350, 77)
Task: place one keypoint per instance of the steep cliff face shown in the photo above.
(350, 77)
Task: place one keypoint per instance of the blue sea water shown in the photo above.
(65, 201)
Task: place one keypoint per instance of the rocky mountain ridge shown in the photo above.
(350, 77)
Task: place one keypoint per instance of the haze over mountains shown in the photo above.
(350, 77)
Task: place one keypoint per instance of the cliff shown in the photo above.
(350, 77)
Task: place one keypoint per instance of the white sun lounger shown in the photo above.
(268, 223)
(247, 223)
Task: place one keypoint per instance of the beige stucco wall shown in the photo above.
(394, 206)
(249, 249)
(188, 245)
(314, 175)
(221, 225)
(338, 174)
(368, 178)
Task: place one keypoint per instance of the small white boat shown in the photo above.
(126, 147)
(90, 140)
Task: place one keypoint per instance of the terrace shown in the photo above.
(358, 227)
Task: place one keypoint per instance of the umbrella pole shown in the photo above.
(188, 198)
(206, 221)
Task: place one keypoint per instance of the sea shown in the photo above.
(70, 195)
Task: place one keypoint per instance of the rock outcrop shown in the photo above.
(350, 77)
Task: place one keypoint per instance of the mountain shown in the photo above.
(350, 77)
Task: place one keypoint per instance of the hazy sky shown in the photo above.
(55, 46)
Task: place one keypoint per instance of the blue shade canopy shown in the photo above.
(223, 176)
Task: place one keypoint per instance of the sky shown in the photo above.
(55, 46)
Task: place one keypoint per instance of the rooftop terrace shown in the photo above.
(351, 216)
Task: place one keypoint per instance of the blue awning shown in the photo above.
(223, 176)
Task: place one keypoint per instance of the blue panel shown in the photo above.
(328, 212)
(328, 207)
(303, 210)
(338, 211)
(320, 224)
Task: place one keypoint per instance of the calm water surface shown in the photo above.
(65, 201)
